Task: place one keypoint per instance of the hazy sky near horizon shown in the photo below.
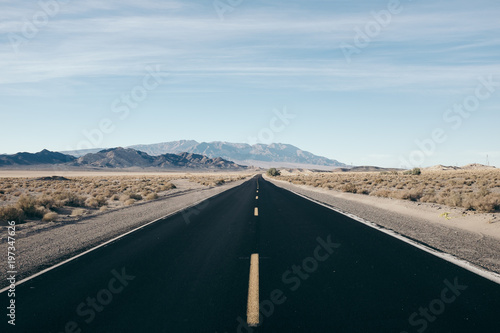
(383, 83)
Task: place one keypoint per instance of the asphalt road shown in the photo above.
(317, 271)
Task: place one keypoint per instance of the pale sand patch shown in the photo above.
(105, 173)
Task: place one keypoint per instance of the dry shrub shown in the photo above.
(48, 202)
(96, 202)
(124, 197)
(351, 188)
(219, 182)
(78, 212)
(108, 193)
(152, 196)
(363, 191)
(129, 202)
(29, 206)
(489, 203)
(412, 195)
(50, 217)
(11, 213)
(71, 199)
(135, 196)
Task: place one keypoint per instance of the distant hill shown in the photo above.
(366, 169)
(128, 158)
(260, 155)
(43, 157)
(473, 166)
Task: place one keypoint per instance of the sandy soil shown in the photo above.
(474, 237)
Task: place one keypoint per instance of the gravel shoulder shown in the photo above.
(39, 246)
(471, 237)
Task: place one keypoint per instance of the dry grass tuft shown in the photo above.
(11, 213)
(78, 212)
(129, 202)
(50, 217)
(152, 196)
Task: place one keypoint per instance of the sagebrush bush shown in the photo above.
(152, 196)
(70, 199)
(273, 172)
(11, 213)
(219, 182)
(96, 202)
(50, 217)
(78, 212)
(351, 188)
(48, 201)
(29, 206)
(135, 196)
(129, 202)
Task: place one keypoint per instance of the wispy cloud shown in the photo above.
(259, 44)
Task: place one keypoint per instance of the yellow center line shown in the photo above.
(257, 197)
(253, 292)
(256, 212)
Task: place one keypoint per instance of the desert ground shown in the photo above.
(473, 190)
(41, 196)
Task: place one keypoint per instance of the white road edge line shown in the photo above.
(253, 292)
(494, 277)
(110, 241)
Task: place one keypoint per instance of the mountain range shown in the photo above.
(118, 158)
(43, 157)
(128, 157)
(260, 155)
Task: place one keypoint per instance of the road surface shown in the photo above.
(256, 258)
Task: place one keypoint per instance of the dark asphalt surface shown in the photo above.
(320, 271)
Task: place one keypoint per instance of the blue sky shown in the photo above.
(66, 69)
